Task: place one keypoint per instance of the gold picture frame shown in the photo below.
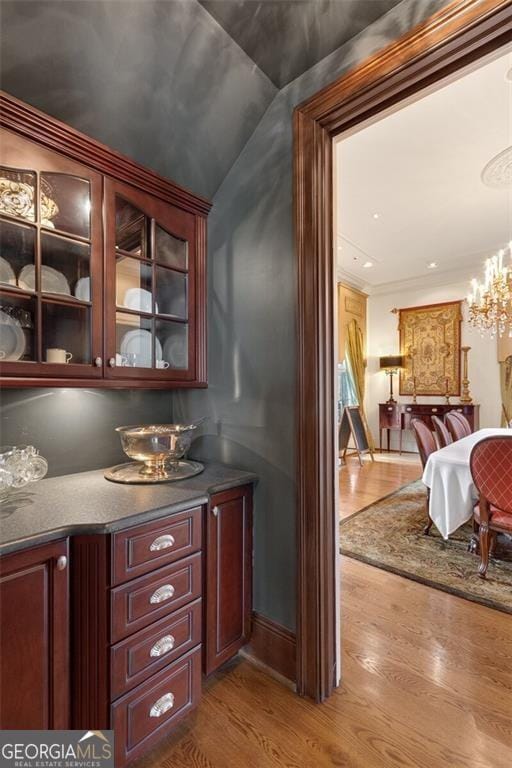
(430, 342)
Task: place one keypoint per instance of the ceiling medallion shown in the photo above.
(498, 171)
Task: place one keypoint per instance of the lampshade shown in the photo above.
(391, 361)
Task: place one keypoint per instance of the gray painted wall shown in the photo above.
(252, 295)
(161, 82)
(74, 428)
(250, 400)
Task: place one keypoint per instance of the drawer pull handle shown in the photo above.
(408, 410)
(162, 542)
(162, 594)
(459, 410)
(164, 645)
(163, 705)
(434, 410)
(390, 408)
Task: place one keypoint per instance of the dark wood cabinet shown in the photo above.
(102, 263)
(147, 610)
(157, 601)
(228, 584)
(34, 638)
(398, 416)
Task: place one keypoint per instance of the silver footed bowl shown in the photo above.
(158, 446)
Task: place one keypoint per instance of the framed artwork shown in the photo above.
(430, 340)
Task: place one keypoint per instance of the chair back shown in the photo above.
(455, 426)
(491, 468)
(424, 440)
(465, 423)
(443, 435)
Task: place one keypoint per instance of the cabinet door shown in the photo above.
(51, 264)
(154, 289)
(228, 575)
(34, 638)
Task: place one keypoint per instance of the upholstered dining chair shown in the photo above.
(426, 445)
(457, 428)
(491, 468)
(443, 435)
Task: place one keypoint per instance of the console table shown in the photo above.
(398, 416)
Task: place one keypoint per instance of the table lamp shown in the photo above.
(390, 364)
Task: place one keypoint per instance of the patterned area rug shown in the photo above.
(388, 535)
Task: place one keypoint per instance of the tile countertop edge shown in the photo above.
(54, 533)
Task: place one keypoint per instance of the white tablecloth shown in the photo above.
(447, 474)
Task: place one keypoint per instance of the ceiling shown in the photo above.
(286, 37)
(409, 188)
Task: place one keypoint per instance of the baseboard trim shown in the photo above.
(273, 645)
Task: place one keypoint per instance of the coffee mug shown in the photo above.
(55, 355)
(162, 364)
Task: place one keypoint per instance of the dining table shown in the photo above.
(448, 476)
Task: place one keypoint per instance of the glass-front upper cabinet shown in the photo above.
(50, 263)
(102, 263)
(151, 301)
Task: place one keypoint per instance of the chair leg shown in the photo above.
(484, 550)
(428, 526)
(473, 545)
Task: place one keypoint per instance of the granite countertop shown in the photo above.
(88, 503)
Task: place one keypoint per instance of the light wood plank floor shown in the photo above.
(427, 683)
(360, 486)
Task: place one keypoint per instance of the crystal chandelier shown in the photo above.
(490, 301)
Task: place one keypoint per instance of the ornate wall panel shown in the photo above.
(430, 343)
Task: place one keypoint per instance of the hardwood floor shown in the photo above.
(427, 682)
(360, 486)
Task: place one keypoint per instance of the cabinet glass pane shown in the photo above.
(17, 328)
(173, 339)
(17, 249)
(130, 228)
(133, 284)
(66, 267)
(170, 250)
(66, 333)
(171, 292)
(66, 203)
(134, 341)
(17, 193)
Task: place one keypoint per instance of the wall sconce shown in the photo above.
(390, 364)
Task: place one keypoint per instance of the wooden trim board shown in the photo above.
(273, 645)
(455, 37)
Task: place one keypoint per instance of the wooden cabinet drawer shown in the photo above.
(148, 712)
(138, 657)
(149, 598)
(389, 416)
(152, 545)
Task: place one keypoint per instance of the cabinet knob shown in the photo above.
(98, 362)
(112, 362)
(164, 645)
(434, 410)
(215, 511)
(162, 594)
(62, 563)
(162, 542)
(162, 705)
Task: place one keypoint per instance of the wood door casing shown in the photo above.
(228, 555)
(34, 639)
